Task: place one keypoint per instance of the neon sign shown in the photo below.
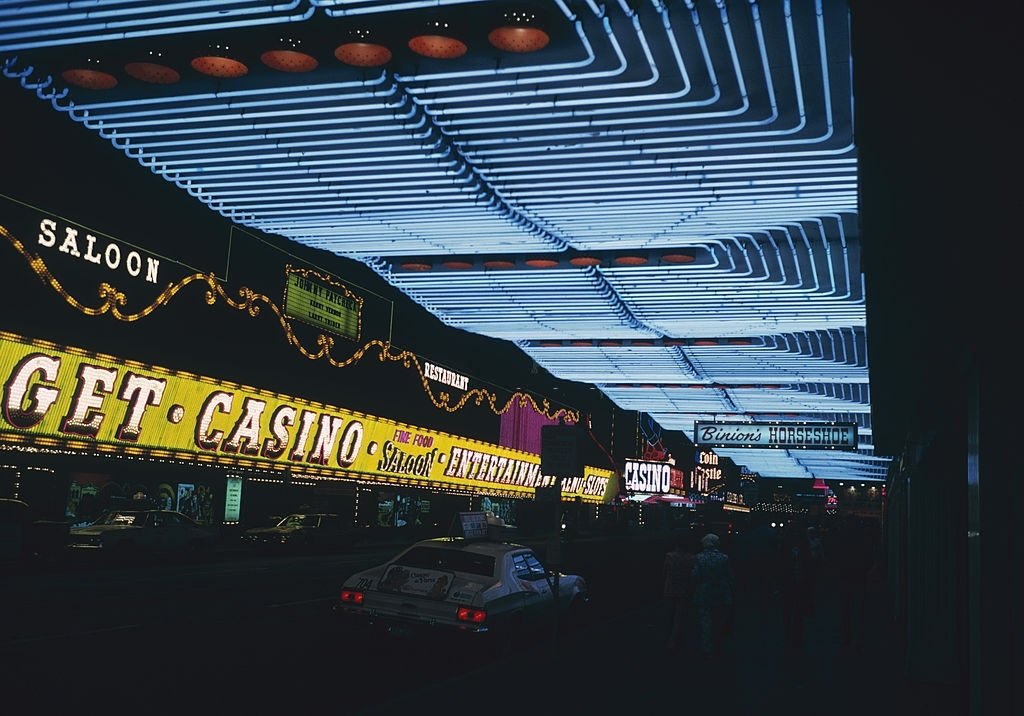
(66, 397)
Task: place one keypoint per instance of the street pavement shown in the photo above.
(622, 666)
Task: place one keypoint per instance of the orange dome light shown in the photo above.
(90, 75)
(153, 70)
(416, 266)
(679, 258)
(518, 39)
(520, 31)
(541, 263)
(362, 50)
(438, 42)
(216, 62)
(289, 57)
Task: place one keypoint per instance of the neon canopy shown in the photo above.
(662, 200)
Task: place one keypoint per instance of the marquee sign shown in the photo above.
(322, 302)
(65, 397)
(816, 436)
(647, 477)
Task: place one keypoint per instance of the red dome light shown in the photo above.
(289, 61)
(679, 258)
(89, 79)
(516, 38)
(363, 54)
(438, 41)
(439, 47)
(220, 67)
(152, 72)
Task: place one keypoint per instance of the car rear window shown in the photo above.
(451, 559)
(123, 518)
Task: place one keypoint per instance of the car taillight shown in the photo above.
(351, 596)
(471, 615)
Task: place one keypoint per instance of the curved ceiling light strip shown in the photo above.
(725, 128)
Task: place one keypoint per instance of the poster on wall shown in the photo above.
(195, 501)
(185, 503)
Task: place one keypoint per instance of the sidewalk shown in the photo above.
(622, 667)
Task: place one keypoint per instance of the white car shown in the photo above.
(456, 585)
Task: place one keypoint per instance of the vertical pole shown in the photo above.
(555, 557)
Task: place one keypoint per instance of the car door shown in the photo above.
(535, 585)
(171, 534)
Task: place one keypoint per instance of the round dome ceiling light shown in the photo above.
(679, 258)
(361, 50)
(216, 61)
(519, 32)
(153, 70)
(457, 265)
(582, 261)
(289, 57)
(630, 260)
(416, 266)
(438, 41)
(90, 74)
(499, 264)
(363, 54)
(541, 263)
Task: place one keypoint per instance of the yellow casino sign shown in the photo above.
(65, 397)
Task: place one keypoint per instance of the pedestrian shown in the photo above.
(677, 589)
(816, 553)
(793, 568)
(713, 595)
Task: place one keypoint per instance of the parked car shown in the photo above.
(132, 534)
(25, 541)
(303, 532)
(456, 587)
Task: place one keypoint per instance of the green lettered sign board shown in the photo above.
(326, 306)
